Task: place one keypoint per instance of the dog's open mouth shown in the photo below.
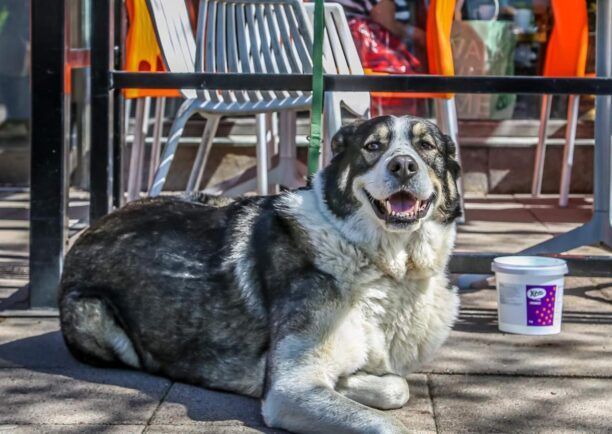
(401, 207)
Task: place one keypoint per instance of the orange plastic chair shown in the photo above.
(143, 55)
(440, 58)
(566, 56)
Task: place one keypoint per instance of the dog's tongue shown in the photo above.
(401, 202)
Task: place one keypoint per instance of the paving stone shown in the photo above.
(33, 343)
(498, 225)
(575, 199)
(78, 396)
(502, 242)
(418, 414)
(582, 348)
(501, 218)
(590, 250)
(476, 348)
(186, 404)
(68, 429)
(486, 404)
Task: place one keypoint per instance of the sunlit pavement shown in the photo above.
(481, 381)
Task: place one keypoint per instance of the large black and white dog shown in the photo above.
(320, 301)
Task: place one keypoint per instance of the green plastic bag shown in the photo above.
(484, 48)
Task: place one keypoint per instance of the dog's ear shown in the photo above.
(450, 208)
(340, 140)
(450, 150)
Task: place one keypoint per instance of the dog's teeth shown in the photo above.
(388, 206)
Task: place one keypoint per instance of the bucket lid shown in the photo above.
(532, 265)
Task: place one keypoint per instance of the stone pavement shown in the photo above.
(481, 381)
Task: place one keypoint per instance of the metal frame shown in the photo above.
(373, 83)
(102, 65)
(48, 183)
(48, 192)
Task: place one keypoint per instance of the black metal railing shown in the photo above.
(48, 180)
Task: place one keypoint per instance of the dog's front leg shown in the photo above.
(302, 400)
(308, 353)
(385, 392)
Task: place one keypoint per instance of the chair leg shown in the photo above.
(538, 168)
(138, 148)
(195, 177)
(451, 122)
(128, 110)
(184, 113)
(440, 111)
(158, 126)
(272, 127)
(261, 150)
(287, 171)
(573, 104)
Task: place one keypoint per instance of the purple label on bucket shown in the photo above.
(540, 304)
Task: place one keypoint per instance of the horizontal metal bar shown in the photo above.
(579, 265)
(364, 83)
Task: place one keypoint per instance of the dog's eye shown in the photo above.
(373, 147)
(427, 146)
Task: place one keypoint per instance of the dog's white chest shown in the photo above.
(397, 326)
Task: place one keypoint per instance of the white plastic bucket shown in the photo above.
(529, 294)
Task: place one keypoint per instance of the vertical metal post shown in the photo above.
(118, 148)
(48, 187)
(118, 109)
(102, 61)
(602, 193)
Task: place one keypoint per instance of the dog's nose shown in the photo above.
(403, 167)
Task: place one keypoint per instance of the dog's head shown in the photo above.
(397, 172)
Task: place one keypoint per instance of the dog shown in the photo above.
(319, 301)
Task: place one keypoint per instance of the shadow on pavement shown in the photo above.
(75, 391)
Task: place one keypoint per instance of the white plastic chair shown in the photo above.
(247, 37)
(339, 57)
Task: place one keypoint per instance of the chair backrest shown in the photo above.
(567, 47)
(340, 55)
(175, 36)
(255, 37)
(142, 50)
(236, 36)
